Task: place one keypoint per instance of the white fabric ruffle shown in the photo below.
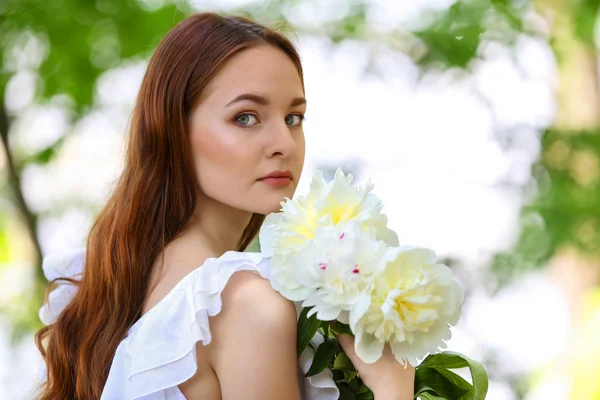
(61, 265)
(159, 352)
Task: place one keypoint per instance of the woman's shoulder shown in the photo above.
(228, 299)
(251, 307)
(251, 298)
(160, 350)
(253, 348)
(201, 292)
(227, 296)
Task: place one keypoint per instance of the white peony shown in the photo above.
(413, 303)
(338, 267)
(327, 203)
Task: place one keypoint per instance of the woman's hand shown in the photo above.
(387, 378)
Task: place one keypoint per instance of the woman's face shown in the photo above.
(247, 125)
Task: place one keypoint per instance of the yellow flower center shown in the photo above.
(416, 316)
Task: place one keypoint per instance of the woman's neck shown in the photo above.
(216, 226)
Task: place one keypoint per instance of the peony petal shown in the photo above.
(390, 255)
(328, 313)
(339, 179)
(267, 234)
(459, 297)
(404, 352)
(311, 300)
(318, 186)
(362, 306)
(418, 255)
(344, 317)
(389, 237)
(291, 293)
(434, 339)
(367, 347)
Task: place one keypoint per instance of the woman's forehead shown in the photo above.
(264, 71)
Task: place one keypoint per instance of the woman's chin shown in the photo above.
(269, 203)
(270, 210)
(272, 206)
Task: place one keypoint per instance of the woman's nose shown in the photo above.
(281, 141)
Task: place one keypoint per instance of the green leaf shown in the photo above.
(346, 394)
(323, 357)
(342, 362)
(445, 359)
(354, 385)
(429, 396)
(456, 379)
(365, 396)
(424, 389)
(349, 375)
(364, 389)
(325, 328)
(307, 327)
(339, 328)
(444, 386)
(44, 156)
(452, 360)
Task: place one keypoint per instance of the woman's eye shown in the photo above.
(246, 119)
(294, 119)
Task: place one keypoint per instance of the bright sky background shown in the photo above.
(430, 149)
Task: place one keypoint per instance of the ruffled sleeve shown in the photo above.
(68, 264)
(159, 351)
(320, 386)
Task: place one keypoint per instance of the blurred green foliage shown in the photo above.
(563, 195)
(585, 16)
(83, 39)
(568, 177)
(454, 38)
(564, 206)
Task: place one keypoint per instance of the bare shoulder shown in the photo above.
(253, 347)
(249, 300)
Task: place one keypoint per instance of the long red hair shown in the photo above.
(151, 203)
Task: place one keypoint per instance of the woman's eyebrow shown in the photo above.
(263, 100)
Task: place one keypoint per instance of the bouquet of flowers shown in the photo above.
(332, 253)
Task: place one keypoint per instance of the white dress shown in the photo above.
(159, 351)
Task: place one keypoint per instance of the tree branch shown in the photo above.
(14, 180)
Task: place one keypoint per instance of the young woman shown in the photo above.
(169, 306)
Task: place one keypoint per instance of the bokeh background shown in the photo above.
(478, 120)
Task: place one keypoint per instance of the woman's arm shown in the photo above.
(253, 348)
(387, 379)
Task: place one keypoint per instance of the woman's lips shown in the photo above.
(280, 181)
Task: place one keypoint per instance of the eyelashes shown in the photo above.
(248, 119)
(245, 117)
(300, 117)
